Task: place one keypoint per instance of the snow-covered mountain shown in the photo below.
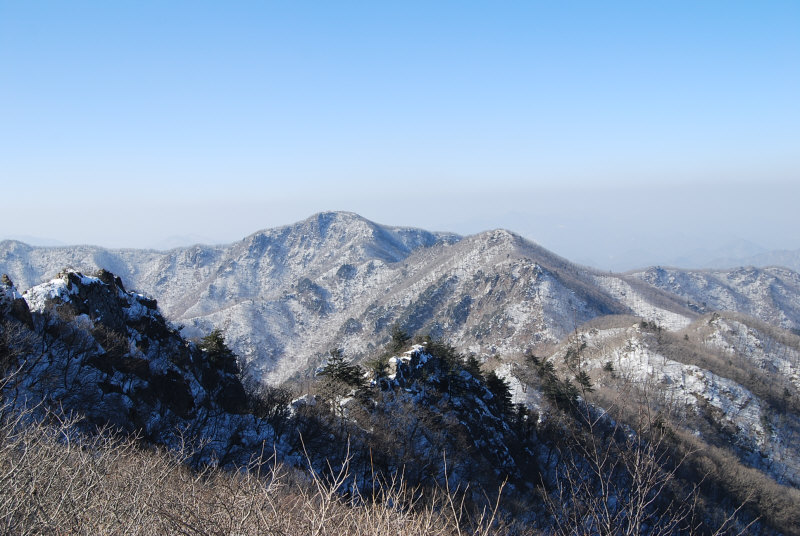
(285, 296)
(769, 294)
(707, 361)
(728, 378)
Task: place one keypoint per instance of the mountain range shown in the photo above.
(525, 352)
(285, 296)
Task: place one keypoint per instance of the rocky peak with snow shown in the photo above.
(12, 302)
(91, 347)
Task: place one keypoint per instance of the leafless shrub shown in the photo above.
(54, 480)
(15, 340)
(618, 481)
(727, 480)
(632, 469)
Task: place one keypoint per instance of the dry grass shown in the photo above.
(56, 481)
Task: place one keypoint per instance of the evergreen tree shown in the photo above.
(379, 366)
(584, 381)
(399, 339)
(217, 352)
(501, 391)
(563, 393)
(340, 379)
(340, 369)
(473, 366)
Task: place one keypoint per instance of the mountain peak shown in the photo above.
(336, 215)
(501, 236)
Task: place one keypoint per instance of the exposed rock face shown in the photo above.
(12, 303)
(87, 345)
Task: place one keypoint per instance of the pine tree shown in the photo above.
(473, 366)
(399, 339)
(218, 353)
(584, 381)
(340, 369)
(341, 379)
(501, 391)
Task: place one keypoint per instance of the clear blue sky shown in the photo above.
(574, 123)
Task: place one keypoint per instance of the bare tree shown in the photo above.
(56, 481)
(620, 478)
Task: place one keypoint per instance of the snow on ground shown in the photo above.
(38, 296)
(688, 388)
(8, 294)
(639, 304)
(735, 337)
(405, 357)
(520, 392)
(682, 384)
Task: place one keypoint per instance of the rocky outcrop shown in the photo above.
(89, 346)
(12, 303)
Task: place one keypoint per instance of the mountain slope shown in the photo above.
(768, 294)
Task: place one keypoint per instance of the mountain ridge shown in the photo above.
(285, 295)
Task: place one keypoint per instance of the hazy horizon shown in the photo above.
(617, 135)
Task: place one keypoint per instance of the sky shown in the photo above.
(613, 133)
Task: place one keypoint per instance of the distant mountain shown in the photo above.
(787, 258)
(177, 241)
(38, 241)
(734, 255)
(708, 257)
(285, 296)
(725, 256)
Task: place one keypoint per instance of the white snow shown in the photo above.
(38, 296)
(639, 304)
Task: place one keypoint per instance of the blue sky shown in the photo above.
(595, 128)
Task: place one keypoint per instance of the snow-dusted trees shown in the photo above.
(218, 353)
(340, 379)
(618, 480)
